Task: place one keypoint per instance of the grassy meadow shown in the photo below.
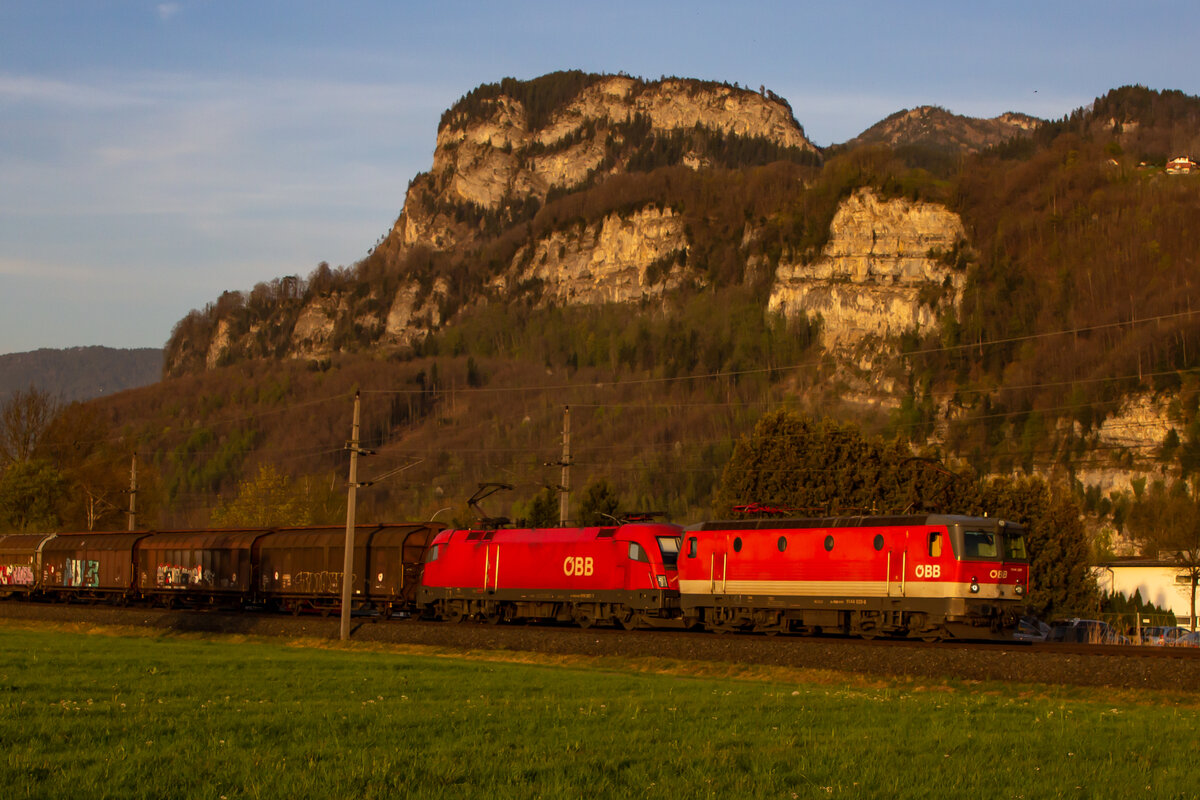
(101, 713)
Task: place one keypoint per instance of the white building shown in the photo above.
(1159, 582)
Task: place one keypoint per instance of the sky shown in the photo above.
(155, 154)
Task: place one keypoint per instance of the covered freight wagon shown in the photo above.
(20, 562)
(201, 566)
(90, 565)
(302, 568)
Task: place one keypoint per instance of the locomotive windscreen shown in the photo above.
(1014, 544)
(669, 545)
(1007, 544)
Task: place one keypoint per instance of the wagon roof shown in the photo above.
(203, 540)
(23, 541)
(93, 541)
(329, 535)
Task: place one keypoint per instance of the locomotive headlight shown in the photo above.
(974, 585)
(662, 581)
(1019, 589)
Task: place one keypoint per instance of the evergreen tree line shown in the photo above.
(827, 468)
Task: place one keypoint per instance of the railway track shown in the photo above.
(1160, 669)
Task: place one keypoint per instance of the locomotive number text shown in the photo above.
(578, 565)
(999, 573)
(929, 570)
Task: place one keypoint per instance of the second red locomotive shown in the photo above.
(932, 576)
(624, 574)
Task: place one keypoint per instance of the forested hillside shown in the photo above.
(79, 373)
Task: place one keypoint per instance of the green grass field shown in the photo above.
(126, 714)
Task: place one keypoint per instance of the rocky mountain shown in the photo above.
(935, 127)
(506, 153)
(1013, 292)
(79, 373)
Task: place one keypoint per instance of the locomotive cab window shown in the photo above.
(431, 554)
(669, 545)
(1014, 544)
(935, 544)
(638, 553)
(979, 544)
(691, 551)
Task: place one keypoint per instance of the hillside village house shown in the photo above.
(1159, 581)
(1181, 166)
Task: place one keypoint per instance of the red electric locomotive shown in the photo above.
(624, 574)
(930, 577)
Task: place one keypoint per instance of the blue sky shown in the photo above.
(154, 154)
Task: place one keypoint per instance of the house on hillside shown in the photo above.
(1158, 580)
(1181, 166)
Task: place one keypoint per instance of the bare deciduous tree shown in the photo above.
(24, 417)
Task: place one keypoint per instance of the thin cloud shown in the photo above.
(167, 11)
(60, 94)
(41, 270)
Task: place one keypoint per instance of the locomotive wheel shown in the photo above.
(452, 612)
(585, 621)
(628, 619)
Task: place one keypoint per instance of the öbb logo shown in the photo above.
(929, 570)
(578, 565)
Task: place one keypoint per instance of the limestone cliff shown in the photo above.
(496, 154)
(884, 271)
(617, 261)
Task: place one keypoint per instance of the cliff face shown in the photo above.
(621, 260)
(498, 156)
(884, 271)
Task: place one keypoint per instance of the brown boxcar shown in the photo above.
(198, 566)
(20, 561)
(89, 565)
(301, 568)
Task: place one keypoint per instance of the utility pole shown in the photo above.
(564, 496)
(351, 499)
(133, 493)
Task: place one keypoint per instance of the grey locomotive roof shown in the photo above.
(850, 522)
